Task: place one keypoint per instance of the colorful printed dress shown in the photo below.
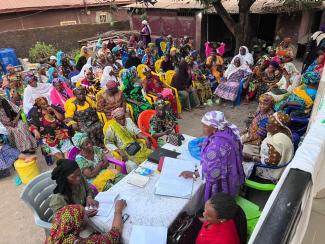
(91, 87)
(159, 125)
(19, 136)
(133, 91)
(106, 178)
(15, 86)
(67, 225)
(302, 94)
(202, 86)
(86, 117)
(119, 137)
(55, 136)
(154, 85)
(228, 89)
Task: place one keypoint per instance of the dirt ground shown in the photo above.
(16, 219)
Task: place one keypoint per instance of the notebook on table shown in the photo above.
(170, 183)
(162, 152)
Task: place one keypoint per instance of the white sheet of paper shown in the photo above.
(148, 235)
(170, 184)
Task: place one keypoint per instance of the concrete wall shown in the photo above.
(63, 37)
(26, 20)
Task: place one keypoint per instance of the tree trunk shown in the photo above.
(243, 31)
(243, 26)
(225, 16)
(240, 30)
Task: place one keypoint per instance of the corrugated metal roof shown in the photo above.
(8, 6)
(169, 4)
(260, 6)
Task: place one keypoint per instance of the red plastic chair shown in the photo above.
(75, 151)
(144, 125)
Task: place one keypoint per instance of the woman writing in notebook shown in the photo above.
(70, 220)
(221, 156)
(71, 187)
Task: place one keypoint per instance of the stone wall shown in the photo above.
(63, 37)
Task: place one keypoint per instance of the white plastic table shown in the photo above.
(147, 208)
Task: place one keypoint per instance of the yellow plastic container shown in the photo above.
(27, 171)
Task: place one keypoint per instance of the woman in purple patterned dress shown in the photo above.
(221, 156)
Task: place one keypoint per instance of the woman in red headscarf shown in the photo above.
(110, 99)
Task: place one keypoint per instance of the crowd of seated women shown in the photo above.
(94, 106)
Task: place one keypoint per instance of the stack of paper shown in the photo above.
(170, 183)
(138, 180)
(148, 235)
(106, 203)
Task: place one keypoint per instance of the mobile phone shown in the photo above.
(125, 217)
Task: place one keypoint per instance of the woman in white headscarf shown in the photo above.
(221, 156)
(35, 90)
(81, 75)
(145, 33)
(245, 56)
(235, 73)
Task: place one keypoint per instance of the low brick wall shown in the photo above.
(64, 37)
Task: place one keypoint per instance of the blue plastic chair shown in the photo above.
(194, 148)
(240, 92)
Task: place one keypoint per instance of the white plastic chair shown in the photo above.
(37, 195)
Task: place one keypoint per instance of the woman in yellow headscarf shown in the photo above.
(83, 57)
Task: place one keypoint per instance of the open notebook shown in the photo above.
(106, 203)
(169, 182)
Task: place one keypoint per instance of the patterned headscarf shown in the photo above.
(79, 138)
(9, 66)
(281, 120)
(118, 113)
(67, 224)
(266, 99)
(57, 81)
(310, 78)
(39, 100)
(216, 119)
(160, 103)
(146, 70)
(29, 77)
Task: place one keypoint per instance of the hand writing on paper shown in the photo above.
(186, 174)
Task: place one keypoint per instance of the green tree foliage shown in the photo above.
(41, 50)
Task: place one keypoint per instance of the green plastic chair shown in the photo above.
(259, 186)
(23, 117)
(252, 212)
